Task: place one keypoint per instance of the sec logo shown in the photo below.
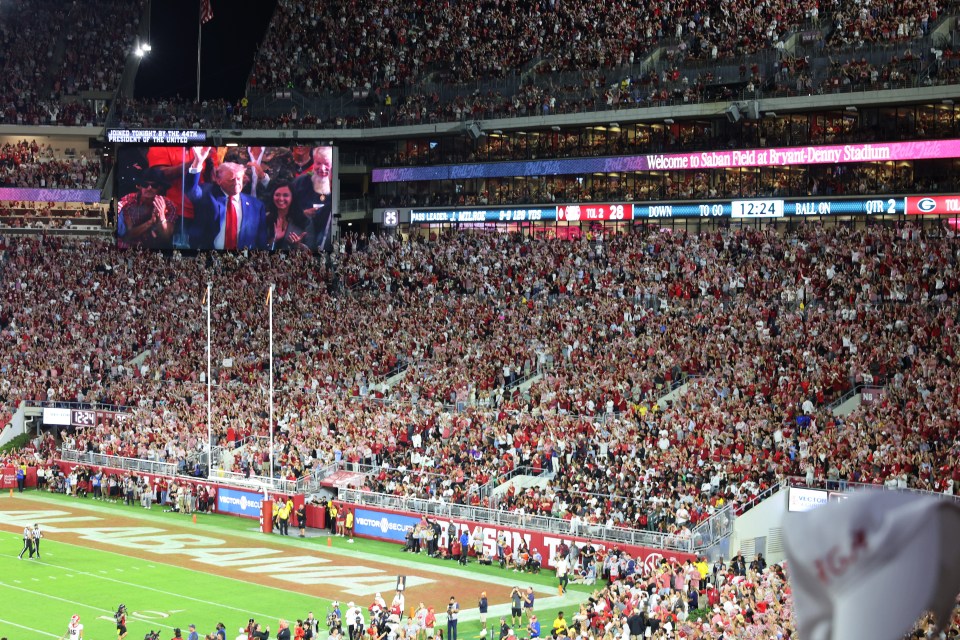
(927, 205)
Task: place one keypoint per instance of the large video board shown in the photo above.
(226, 198)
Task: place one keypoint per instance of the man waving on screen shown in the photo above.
(224, 218)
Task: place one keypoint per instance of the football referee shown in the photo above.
(27, 542)
(37, 535)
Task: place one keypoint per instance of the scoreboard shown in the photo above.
(741, 209)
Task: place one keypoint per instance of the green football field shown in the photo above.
(39, 596)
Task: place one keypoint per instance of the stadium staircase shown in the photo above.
(524, 478)
(850, 401)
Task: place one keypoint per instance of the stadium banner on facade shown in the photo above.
(241, 503)
(23, 194)
(8, 477)
(801, 499)
(382, 525)
(873, 395)
(175, 197)
(385, 524)
(726, 159)
(56, 416)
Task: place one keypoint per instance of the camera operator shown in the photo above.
(311, 625)
(335, 620)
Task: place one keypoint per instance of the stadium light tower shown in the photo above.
(142, 49)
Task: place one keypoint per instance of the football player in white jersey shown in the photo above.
(74, 629)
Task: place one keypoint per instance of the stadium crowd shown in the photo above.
(599, 329)
(97, 45)
(393, 50)
(86, 51)
(25, 163)
(392, 45)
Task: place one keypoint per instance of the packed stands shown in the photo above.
(599, 329)
(856, 25)
(23, 64)
(407, 67)
(27, 164)
(97, 44)
(40, 86)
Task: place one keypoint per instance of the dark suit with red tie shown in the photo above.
(211, 206)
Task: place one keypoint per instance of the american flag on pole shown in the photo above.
(206, 11)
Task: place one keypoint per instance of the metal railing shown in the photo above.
(136, 465)
(854, 390)
(547, 524)
(90, 406)
(488, 491)
(313, 481)
(714, 529)
(172, 469)
(845, 485)
(741, 508)
(257, 482)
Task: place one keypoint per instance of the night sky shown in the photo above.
(229, 42)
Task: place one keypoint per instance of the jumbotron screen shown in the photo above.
(226, 198)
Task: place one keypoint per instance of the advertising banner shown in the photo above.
(241, 503)
(873, 395)
(801, 499)
(383, 524)
(56, 416)
(776, 157)
(8, 477)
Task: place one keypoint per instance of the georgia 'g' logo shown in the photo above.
(927, 205)
(571, 213)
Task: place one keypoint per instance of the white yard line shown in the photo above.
(20, 626)
(569, 599)
(172, 594)
(40, 594)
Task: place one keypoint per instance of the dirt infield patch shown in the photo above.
(290, 564)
